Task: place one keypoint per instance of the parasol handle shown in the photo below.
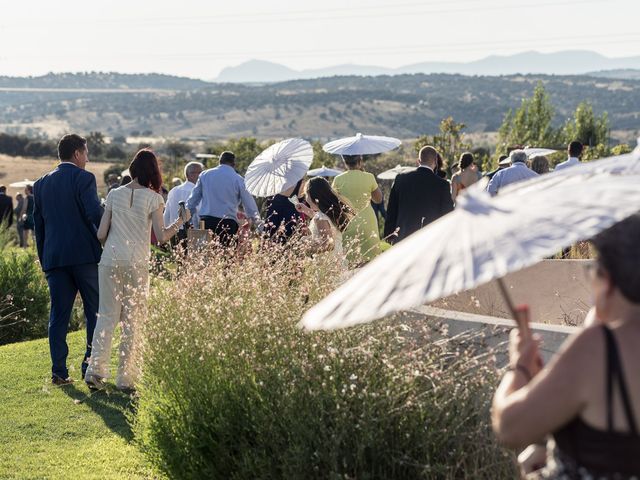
(516, 313)
(507, 298)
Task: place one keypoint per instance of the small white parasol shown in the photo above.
(324, 172)
(361, 145)
(394, 172)
(22, 184)
(532, 152)
(279, 167)
(494, 236)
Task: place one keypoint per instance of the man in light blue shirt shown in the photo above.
(575, 152)
(517, 172)
(221, 191)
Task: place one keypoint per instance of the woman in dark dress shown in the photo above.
(281, 217)
(588, 397)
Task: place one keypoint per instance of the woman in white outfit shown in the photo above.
(329, 214)
(123, 271)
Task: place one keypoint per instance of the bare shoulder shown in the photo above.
(586, 347)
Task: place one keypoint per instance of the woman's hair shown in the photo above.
(145, 169)
(539, 164)
(619, 256)
(329, 202)
(466, 159)
(352, 160)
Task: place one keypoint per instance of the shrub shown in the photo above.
(24, 298)
(24, 291)
(232, 388)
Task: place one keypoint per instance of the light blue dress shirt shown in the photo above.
(513, 174)
(221, 190)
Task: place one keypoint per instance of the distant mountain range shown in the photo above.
(578, 62)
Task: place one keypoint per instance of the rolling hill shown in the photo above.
(401, 105)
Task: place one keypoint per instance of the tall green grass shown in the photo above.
(232, 388)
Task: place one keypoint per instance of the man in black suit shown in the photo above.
(417, 198)
(6, 207)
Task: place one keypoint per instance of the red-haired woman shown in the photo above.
(123, 271)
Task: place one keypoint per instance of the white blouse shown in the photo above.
(129, 238)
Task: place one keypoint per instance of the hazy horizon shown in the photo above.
(199, 40)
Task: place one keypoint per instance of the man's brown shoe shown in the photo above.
(59, 381)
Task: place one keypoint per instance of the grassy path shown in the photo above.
(49, 432)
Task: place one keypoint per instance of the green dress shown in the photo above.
(361, 238)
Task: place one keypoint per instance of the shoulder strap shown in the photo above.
(615, 372)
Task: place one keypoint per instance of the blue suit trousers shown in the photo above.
(64, 285)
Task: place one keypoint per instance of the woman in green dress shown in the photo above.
(361, 238)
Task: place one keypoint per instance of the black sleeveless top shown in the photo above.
(604, 453)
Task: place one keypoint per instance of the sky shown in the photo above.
(198, 38)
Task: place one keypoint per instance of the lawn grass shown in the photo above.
(49, 432)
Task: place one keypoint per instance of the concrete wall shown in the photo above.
(494, 331)
(555, 290)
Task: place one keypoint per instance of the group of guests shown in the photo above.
(23, 213)
(586, 398)
(102, 250)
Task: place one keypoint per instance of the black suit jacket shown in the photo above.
(417, 198)
(6, 209)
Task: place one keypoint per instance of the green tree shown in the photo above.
(530, 124)
(320, 157)
(96, 144)
(449, 142)
(591, 131)
(178, 149)
(246, 149)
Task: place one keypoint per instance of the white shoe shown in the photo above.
(95, 382)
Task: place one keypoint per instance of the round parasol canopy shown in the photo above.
(394, 172)
(324, 172)
(532, 152)
(361, 145)
(279, 167)
(22, 183)
(494, 236)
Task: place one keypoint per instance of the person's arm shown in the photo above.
(376, 193)
(163, 234)
(446, 202)
(494, 184)
(168, 208)
(326, 236)
(524, 413)
(10, 216)
(105, 224)
(454, 188)
(193, 202)
(38, 222)
(376, 196)
(88, 199)
(391, 219)
(248, 203)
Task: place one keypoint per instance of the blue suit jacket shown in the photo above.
(67, 214)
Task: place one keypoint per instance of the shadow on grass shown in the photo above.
(114, 407)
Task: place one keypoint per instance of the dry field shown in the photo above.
(15, 169)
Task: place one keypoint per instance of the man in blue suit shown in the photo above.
(67, 214)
